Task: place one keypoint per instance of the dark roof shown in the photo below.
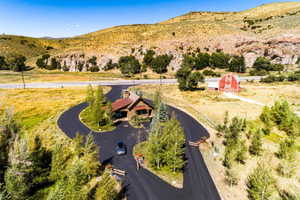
(120, 103)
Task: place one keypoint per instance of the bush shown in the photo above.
(129, 65)
(208, 72)
(273, 78)
(258, 72)
(94, 69)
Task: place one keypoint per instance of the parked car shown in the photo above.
(121, 148)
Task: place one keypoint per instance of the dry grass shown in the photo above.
(209, 106)
(33, 106)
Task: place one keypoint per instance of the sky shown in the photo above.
(67, 18)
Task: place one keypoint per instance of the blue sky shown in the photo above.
(65, 18)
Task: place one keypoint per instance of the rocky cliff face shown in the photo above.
(281, 50)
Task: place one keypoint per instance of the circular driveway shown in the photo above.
(142, 184)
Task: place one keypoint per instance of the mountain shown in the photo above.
(272, 30)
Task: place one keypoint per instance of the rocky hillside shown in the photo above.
(271, 30)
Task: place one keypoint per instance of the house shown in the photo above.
(228, 83)
(131, 105)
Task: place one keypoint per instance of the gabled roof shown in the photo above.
(121, 103)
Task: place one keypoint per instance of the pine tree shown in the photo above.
(162, 112)
(256, 144)
(174, 145)
(97, 108)
(287, 149)
(8, 132)
(106, 189)
(241, 154)
(18, 181)
(260, 183)
(157, 99)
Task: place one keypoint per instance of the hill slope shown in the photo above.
(233, 32)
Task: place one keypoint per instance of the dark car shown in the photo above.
(121, 148)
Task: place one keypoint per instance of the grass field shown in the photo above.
(209, 108)
(37, 110)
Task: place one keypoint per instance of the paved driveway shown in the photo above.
(142, 184)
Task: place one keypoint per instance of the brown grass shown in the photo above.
(211, 105)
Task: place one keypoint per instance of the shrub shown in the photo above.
(129, 65)
(94, 69)
(260, 183)
(219, 60)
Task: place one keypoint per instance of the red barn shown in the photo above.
(229, 83)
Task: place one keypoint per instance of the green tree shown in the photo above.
(106, 189)
(8, 132)
(129, 65)
(287, 149)
(219, 60)
(17, 64)
(237, 64)
(162, 112)
(160, 63)
(256, 143)
(3, 64)
(260, 184)
(148, 57)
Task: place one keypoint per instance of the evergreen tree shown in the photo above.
(162, 112)
(287, 149)
(157, 99)
(8, 132)
(260, 183)
(106, 189)
(241, 154)
(256, 144)
(18, 180)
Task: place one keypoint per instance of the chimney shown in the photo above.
(126, 94)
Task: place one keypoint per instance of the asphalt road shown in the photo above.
(115, 82)
(142, 184)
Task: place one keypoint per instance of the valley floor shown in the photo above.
(209, 108)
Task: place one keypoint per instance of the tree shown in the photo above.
(256, 143)
(219, 60)
(43, 61)
(129, 65)
(160, 63)
(3, 64)
(237, 64)
(187, 79)
(148, 57)
(193, 80)
(17, 63)
(202, 61)
(97, 107)
(8, 132)
(287, 149)
(162, 112)
(260, 183)
(165, 146)
(28, 169)
(106, 189)
(182, 75)
(109, 65)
